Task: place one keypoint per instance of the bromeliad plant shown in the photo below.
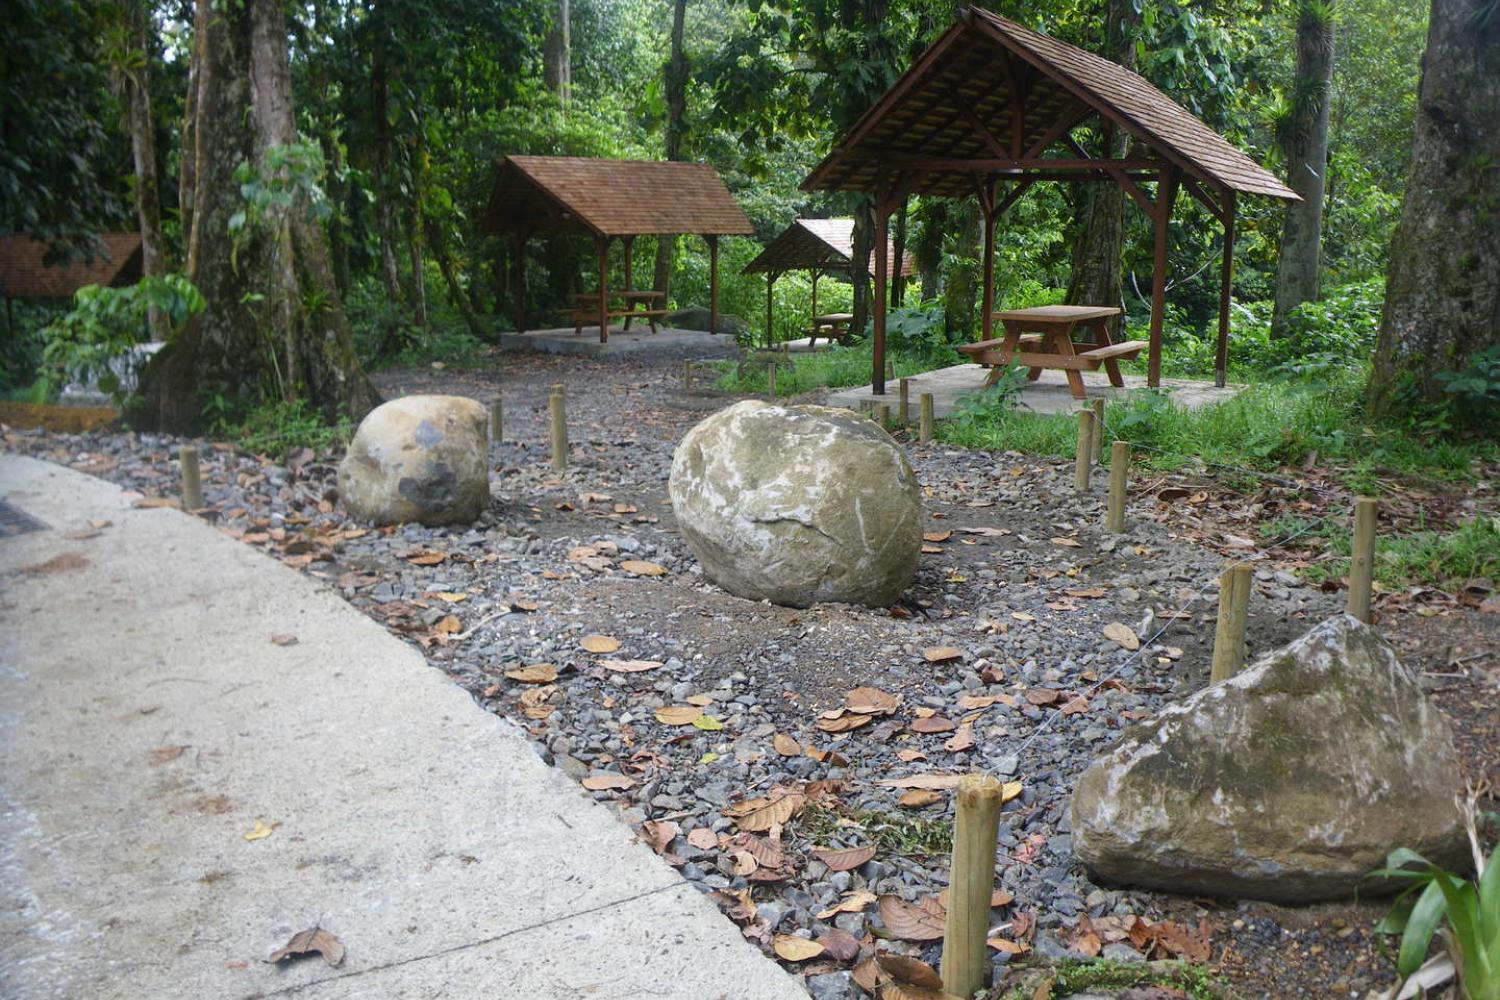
(1472, 911)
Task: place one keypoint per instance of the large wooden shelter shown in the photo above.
(608, 200)
(821, 246)
(989, 109)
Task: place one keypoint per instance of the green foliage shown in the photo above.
(1444, 559)
(1071, 977)
(87, 343)
(1475, 390)
(275, 427)
(835, 368)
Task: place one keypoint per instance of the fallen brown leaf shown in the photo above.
(919, 798)
(1122, 635)
(845, 859)
(962, 740)
(640, 567)
(928, 780)
(941, 654)
(307, 942)
(852, 903)
(600, 643)
(912, 971)
(871, 701)
(759, 815)
(933, 724)
(795, 949)
(603, 781)
(785, 745)
(838, 944)
(537, 673)
(629, 666)
(284, 639)
(923, 921)
(678, 715)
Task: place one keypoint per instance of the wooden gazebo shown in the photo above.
(992, 103)
(609, 199)
(821, 246)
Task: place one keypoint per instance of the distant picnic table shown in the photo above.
(833, 327)
(1042, 337)
(646, 305)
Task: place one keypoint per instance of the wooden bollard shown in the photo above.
(1098, 430)
(904, 410)
(1229, 633)
(924, 417)
(971, 880)
(192, 482)
(1084, 459)
(497, 421)
(687, 373)
(558, 404)
(1362, 559)
(890, 370)
(771, 380)
(883, 415)
(1119, 470)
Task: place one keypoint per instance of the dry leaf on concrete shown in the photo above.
(315, 939)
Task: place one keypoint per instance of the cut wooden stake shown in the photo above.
(883, 415)
(924, 417)
(1229, 634)
(1084, 460)
(771, 380)
(971, 881)
(687, 373)
(1119, 471)
(905, 407)
(1098, 430)
(559, 406)
(192, 483)
(497, 421)
(1362, 563)
(890, 370)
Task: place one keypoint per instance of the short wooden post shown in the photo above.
(771, 380)
(497, 421)
(687, 373)
(559, 406)
(883, 415)
(1362, 559)
(904, 409)
(971, 880)
(1119, 470)
(924, 417)
(192, 482)
(1098, 430)
(1229, 633)
(890, 370)
(1084, 458)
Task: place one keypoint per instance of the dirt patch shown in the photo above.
(58, 419)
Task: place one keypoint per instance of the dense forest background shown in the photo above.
(399, 109)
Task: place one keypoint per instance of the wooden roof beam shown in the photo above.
(1066, 122)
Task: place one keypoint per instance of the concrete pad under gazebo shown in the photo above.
(608, 200)
(992, 103)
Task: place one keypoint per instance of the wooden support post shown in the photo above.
(520, 252)
(1226, 281)
(1229, 633)
(192, 482)
(878, 298)
(1098, 430)
(558, 405)
(971, 881)
(905, 407)
(713, 284)
(771, 379)
(1166, 193)
(770, 287)
(497, 421)
(816, 273)
(627, 245)
(987, 299)
(603, 289)
(1083, 459)
(1119, 470)
(1362, 560)
(924, 417)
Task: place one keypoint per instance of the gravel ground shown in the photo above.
(996, 658)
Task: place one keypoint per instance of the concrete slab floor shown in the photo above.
(148, 723)
(1049, 394)
(639, 341)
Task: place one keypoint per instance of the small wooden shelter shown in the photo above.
(992, 103)
(821, 246)
(25, 273)
(611, 199)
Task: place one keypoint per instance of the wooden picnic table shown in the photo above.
(647, 305)
(1042, 337)
(831, 326)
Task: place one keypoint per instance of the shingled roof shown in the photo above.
(825, 244)
(535, 194)
(958, 102)
(23, 275)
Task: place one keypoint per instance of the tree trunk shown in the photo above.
(456, 296)
(557, 55)
(187, 178)
(1442, 294)
(274, 325)
(962, 284)
(385, 215)
(898, 255)
(859, 262)
(1094, 278)
(675, 81)
(134, 78)
(1304, 140)
(928, 250)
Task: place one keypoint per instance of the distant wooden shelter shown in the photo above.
(821, 246)
(611, 199)
(25, 273)
(992, 103)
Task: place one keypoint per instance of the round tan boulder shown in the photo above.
(418, 458)
(798, 504)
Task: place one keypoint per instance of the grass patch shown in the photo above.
(1071, 977)
(277, 428)
(889, 833)
(1442, 559)
(835, 368)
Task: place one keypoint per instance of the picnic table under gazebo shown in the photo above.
(987, 111)
(609, 200)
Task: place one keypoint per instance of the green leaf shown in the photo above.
(1421, 924)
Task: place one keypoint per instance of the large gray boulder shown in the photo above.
(418, 458)
(696, 318)
(1288, 782)
(798, 504)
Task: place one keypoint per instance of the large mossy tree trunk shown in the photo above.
(675, 81)
(1099, 246)
(557, 54)
(964, 278)
(135, 87)
(274, 325)
(1442, 297)
(1304, 140)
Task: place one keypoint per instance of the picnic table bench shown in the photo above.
(1042, 337)
(833, 327)
(647, 305)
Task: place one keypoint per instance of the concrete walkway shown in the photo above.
(149, 722)
(637, 342)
